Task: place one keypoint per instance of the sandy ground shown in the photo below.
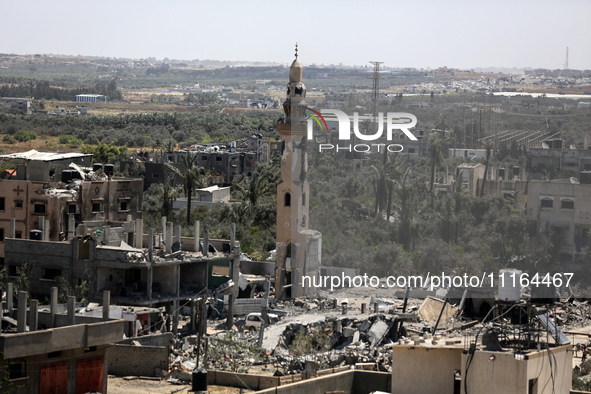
(143, 386)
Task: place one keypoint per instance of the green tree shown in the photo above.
(192, 176)
(436, 148)
(489, 148)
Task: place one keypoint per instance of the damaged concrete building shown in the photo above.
(67, 356)
(169, 271)
(298, 248)
(53, 196)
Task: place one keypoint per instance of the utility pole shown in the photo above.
(376, 88)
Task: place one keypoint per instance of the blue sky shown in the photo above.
(420, 33)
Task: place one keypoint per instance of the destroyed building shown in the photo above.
(170, 270)
(51, 195)
(221, 162)
(298, 248)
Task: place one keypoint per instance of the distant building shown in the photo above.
(91, 98)
(563, 206)
(222, 165)
(209, 197)
(467, 153)
(22, 104)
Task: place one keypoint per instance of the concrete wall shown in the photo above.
(349, 382)
(150, 340)
(257, 268)
(62, 338)
(126, 360)
(167, 278)
(559, 380)
(411, 365)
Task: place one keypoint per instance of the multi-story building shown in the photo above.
(564, 207)
(53, 196)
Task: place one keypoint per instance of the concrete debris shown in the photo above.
(431, 309)
(313, 335)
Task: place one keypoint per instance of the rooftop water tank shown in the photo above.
(509, 285)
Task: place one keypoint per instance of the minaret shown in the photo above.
(293, 190)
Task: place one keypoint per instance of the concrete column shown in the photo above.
(21, 318)
(230, 318)
(151, 245)
(168, 240)
(107, 230)
(12, 233)
(52, 306)
(163, 224)
(177, 300)
(106, 304)
(177, 236)
(41, 223)
(363, 307)
(71, 310)
(206, 243)
(46, 231)
(139, 232)
(150, 282)
(175, 320)
(9, 298)
(197, 236)
(71, 226)
(82, 229)
(33, 315)
(193, 311)
(232, 235)
(296, 290)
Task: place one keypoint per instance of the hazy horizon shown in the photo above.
(427, 34)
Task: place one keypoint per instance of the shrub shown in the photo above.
(24, 136)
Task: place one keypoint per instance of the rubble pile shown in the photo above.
(229, 351)
(338, 342)
(318, 334)
(571, 315)
(224, 351)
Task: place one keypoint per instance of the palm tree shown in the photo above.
(407, 211)
(262, 182)
(169, 194)
(436, 148)
(192, 176)
(489, 147)
(442, 119)
(385, 174)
